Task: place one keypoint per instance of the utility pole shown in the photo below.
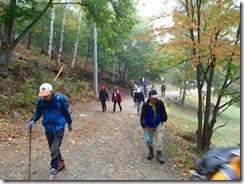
(95, 80)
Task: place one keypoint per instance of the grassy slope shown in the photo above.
(181, 135)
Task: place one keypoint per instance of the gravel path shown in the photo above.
(102, 146)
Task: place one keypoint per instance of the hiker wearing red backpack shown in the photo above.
(55, 114)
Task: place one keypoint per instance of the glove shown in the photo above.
(31, 124)
(70, 127)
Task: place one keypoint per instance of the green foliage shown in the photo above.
(79, 88)
(25, 99)
(2, 108)
(22, 13)
(135, 54)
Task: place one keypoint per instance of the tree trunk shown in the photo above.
(51, 34)
(29, 41)
(77, 41)
(207, 130)
(5, 55)
(6, 45)
(200, 109)
(88, 52)
(62, 36)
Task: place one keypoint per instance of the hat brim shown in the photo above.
(44, 93)
(154, 96)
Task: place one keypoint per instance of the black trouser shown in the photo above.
(104, 107)
(54, 142)
(115, 106)
(163, 93)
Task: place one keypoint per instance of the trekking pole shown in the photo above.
(29, 155)
(58, 73)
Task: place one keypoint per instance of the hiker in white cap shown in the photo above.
(54, 109)
(153, 116)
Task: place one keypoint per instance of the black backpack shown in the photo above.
(103, 95)
(138, 96)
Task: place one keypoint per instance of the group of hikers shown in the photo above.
(116, 98)
(53, 107)
(144, 89)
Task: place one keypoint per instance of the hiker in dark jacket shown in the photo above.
(152, 118)
(103, 96)
(55, 116)
(163, 89)
(139, 99)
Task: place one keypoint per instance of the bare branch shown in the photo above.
(80, 3)
(219, 127)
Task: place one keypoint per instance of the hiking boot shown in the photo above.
(151, 154)
(52, 174)
(61, 165)
(160, 157)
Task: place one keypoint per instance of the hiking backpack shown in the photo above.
(59, 97)
(103, 95)
(212, 161)
(138, 96)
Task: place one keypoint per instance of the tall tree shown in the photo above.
(14, 11)
(210, 31)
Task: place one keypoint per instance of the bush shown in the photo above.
(26, 99)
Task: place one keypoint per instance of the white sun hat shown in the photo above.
(45, 89)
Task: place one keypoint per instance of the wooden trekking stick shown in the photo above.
(58, 73)
(29, 156)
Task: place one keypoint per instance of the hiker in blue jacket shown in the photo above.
(55, 114)
(153, 116)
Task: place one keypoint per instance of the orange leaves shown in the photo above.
(193, 25)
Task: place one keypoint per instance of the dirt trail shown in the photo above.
(102, 146)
